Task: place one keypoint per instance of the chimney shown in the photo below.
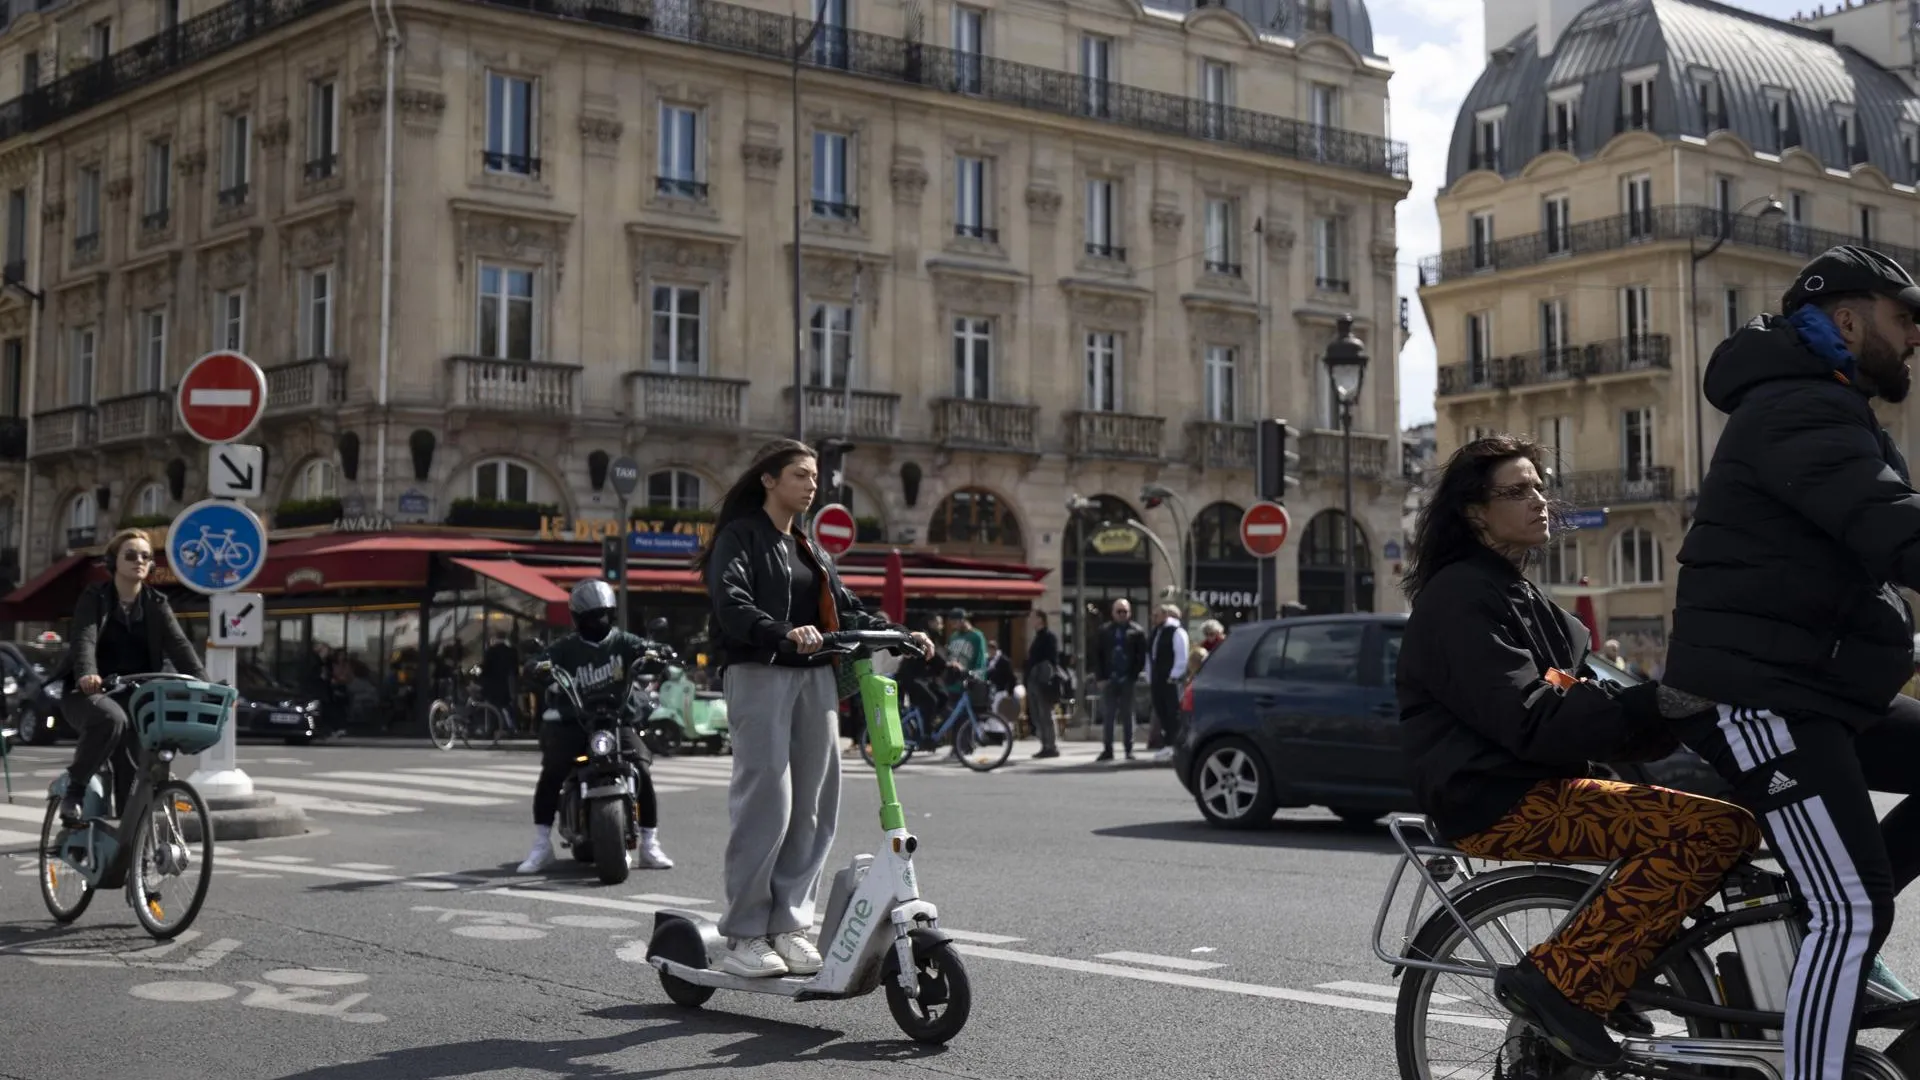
(1551, 20)
(1505, 20)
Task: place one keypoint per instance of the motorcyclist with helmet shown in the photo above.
(599, 659)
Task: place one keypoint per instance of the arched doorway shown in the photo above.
(1323, 571)
(1226, 577)
(1116, 563)
(975, 522)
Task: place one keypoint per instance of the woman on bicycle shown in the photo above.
(121, 626)
(769, 584)
(1500, 720)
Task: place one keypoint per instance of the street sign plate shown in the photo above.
(216, 546)
(235, 471)
(833, 529)
(221, 397)
(1264, 528)
(625, 474)
(237, 620)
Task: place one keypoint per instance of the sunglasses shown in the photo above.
(136, 556)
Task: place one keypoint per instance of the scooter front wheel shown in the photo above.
(946, 998)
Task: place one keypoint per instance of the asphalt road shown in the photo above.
(1107, 933)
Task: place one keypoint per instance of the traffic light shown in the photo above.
(611, 550)
(833, 472)
(1276, 465)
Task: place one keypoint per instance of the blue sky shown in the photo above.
(1436, 51)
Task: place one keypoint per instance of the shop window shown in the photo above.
(972, 517)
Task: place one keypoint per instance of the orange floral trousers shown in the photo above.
(1676, 849)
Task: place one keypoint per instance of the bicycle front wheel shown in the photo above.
(63, 887)
(440, 724)
(173, 860)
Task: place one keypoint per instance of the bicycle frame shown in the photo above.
(97, 836)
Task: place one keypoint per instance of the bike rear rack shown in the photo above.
(1425, 858)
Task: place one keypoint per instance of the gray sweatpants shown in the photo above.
(784, 801)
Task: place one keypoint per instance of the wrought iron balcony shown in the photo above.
(978, 232)
(62, 431)
(1616, 487)
(1217, 444)
(874, 415)
(1115, 435)
(1332, 284)
(86, 247)
(155, 220)
(697, 402)
(1107, 251)
(517, 387)
(1322, 454)
(681, 187)
(1226, 269)
(1660, 223)
(306, 386)
(1652, 353)
(322, 167)
(235, 195)
(975, 424)
(515, 164)
(134, 417)
(835, 211)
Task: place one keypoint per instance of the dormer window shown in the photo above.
(1851, 147)
(1910, 148)
(1489, 135)
(1713, 106)
(1780, 116)
(1563, 108)
(1636, 100)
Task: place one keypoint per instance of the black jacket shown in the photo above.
(602, 673)
(1807, 521)
(1135, 648)
(1479, 722)
(748, 585)
(164, 639)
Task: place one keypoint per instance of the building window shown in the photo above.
(506, 313)
(236, 158)
(13, 373)
(1329, 260)
(16, 262)
(86, 217)
(1479, 348)
(1103, 372)
(1848, 130)
(830, 185)
(1733, 311)
(317, 479)
(1554, 219)
(973, 357)
(1797, 208)
(100, 41)
(151, 502)
(1223, 238)
(1561, 113)
(1706, 91)
(1555, 349)
(971, 176)
(969, 47)
(675, 489)
(512, 135)
(230, 320)
(1556, 437)
(1636, 321)
(84, 354)
(323, 129)
(678, 314)
(1636, 443)
(158, 200)
(83, 517)
(1103, 239)
(153, 349)
(1723, 203)
(1222, 363)
(1216, 91)
(1636, 199)
(1489, 134)
(1480, 239)
(1096, 73)
(1910, 148)
(1636, 104)
(1780, 117)
(1867, 220)
(502, 481)
(30, 73)
(830, 341)
(316, 308)
(1563, 561)
(1636, 558)
(830, 44)
(679, 166)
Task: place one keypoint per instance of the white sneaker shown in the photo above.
(1163, 755)
(651, 855)
(751, 958)
(800, 955)
(540, 858)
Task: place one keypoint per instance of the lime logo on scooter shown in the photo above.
(850, 937)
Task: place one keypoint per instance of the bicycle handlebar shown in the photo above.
(114, 683)
(847, 641)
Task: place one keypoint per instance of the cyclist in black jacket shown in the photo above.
(1789, 620)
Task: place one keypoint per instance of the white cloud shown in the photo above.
(1436, 50)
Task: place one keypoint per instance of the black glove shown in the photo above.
(1650, 736)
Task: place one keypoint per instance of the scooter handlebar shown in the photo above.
(848, 641)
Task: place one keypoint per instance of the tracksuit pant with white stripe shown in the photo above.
(1807, 778)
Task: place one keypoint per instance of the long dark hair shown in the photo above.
(1443, 534)
(748, 495)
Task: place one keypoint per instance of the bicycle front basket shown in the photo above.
(182, 715)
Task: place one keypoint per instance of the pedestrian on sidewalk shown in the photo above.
(499, 666)
(1043, 663)
(1167, 668)
(769, 584)
(1119, 656)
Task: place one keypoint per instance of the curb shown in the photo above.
(248, 817)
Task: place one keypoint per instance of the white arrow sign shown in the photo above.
(235, 471)
(236, 620)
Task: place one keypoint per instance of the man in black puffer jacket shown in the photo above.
(1788, 617)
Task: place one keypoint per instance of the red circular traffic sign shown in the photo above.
(221, 397)
(1264, 528)
(833, 529)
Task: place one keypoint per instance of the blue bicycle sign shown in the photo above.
(216, 546)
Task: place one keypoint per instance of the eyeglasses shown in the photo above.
(136, 556)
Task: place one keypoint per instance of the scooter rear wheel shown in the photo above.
(943, 987)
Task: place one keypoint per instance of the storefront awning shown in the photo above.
(865, 584)
(526, 579)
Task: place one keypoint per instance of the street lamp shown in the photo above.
(1770, 209)
(1076, 506)
(800, 48)
(1153, 495)
(1346, 360)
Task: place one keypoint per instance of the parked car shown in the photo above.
(1302, 712)
(270, 709)
(33, 705)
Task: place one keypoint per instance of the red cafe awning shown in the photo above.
(983, 588)
(527, 579)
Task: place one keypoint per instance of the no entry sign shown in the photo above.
(833, 529)
(1264, 528)
(222, 396)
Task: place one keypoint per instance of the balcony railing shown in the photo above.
(1107, 251)
(971, 423)
(1321, 454)
(306, 385)
(875, 415)
(1220, 444)
(322, 167)
(1616, 487)
(681, 187)
(145, 415)
(833, 210)
(1115, 435)
(1546, 366)
(513, 164)
(61, 431)
(1702, 223)
(978, 232)
(13, 438)
(519, 387)
(690, 401)
(235, 195)
(84, 536)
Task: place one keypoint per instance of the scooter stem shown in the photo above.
(891, 815)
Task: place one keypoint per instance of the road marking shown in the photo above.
(979, 939)
(1393, 992)
(34, 814)
(1177, 963)
(10, 837)
(273, 784)
(363, 866)
(671, 900)
(583, 900)
(399, 790)
(285, 858)
(340, 806)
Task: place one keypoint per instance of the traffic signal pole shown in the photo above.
(1270, 482)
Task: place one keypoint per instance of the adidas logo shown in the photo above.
(1780, 782)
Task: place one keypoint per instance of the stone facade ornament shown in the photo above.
(909, 180)
(273, 134)
(489, 231)
(1167, 221)
(1043, 203)
(601, 134)
(762, 159)
(678, 257)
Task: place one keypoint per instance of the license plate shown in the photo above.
(288, 718)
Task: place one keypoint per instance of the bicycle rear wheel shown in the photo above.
(170, 873)
(63, 888)
(440, 724)
(984, 744)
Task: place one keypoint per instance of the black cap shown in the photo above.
(1850, 271)
(957, 613)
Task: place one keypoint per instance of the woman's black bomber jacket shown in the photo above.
(747, 583)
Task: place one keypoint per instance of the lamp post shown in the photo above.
(1153, 495)
(1078, 505)
(1770, 209)
(1346, 360)
(799, 333)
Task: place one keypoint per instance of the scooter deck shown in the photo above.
(791, 986)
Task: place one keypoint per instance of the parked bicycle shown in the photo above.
(982, 740)
(475, 717)
(163, 831)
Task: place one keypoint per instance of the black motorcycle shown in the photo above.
(598, 817)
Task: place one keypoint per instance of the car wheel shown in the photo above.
(1233, 785)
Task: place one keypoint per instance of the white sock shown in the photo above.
(647, 835)
(543, 835)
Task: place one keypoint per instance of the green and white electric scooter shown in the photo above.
(877, 930)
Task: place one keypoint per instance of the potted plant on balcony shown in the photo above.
(499, 514)
(302, 513)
